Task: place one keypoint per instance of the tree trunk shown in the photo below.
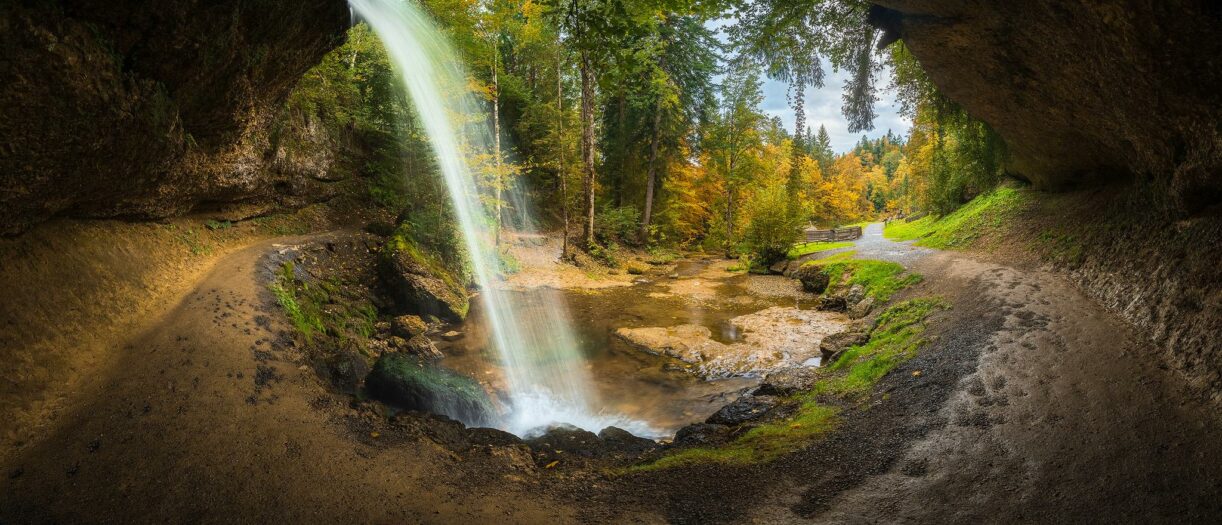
(587, 148)
(652, 177)
(564, 190)
(496, 147)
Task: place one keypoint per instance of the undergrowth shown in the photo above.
(896, 338)
(320, 307)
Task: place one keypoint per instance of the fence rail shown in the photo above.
(835, 234)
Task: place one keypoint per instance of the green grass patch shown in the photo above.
(961, 228)
(881, 279)
(811, 247)
(895, 339)
(762, 443)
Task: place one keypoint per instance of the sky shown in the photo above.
(823, 104)
(823, 107)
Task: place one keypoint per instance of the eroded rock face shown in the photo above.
(1083, 92)
(150, 109)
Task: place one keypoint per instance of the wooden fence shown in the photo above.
(836, 234)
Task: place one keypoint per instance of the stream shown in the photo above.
(629, 382)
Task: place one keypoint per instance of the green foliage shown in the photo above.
(808, 248)
(322, 307)
(304, 313)
(896, 337)
(617, 225)
(217, 225)
(773, 226)
(961, 228)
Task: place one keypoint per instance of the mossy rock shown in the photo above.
(410, 383)
(419, 283)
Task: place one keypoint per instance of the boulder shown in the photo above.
(742, 410)
(618, 439)
(855, 295)
(833, 345)
(492, 436)
(419, 286)
(792, 268)
(778, 268)
(833, 303)
(568, 439)
(423, 347)
(702, 434)
(410, 383)
(862, 308)
(408, 326)
(787, 381)
(812, 277)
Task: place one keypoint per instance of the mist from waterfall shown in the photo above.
(545, 373)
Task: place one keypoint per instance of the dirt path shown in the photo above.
(1035, 404)
(1067, 417)
(208, 417)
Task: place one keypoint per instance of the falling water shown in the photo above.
(545, 373)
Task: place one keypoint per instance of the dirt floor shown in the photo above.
(1034, 404)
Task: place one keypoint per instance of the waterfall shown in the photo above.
(545, 372)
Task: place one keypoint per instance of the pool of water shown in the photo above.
(627, 381)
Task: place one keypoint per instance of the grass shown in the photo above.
(811, 247)
(895, 339)
(961, 228)
(881, 279)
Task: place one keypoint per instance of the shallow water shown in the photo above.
(627, 381)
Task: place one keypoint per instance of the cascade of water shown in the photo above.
(545, 372)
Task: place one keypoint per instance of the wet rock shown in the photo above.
(833, 303)
(778, 268)
(861, 308)
(346, 367)
(423, 347)
(701, 434)
(742, 410)
(492, 436)
(812, 277)
(568, 439)
(787, 381)
(420, 287)
(616, 438)
(411, 383)
(833, 345)
(408, 326)
(451, 335)
(792, 268)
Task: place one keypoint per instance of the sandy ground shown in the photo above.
(207, 417)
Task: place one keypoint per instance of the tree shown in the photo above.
(735, 136)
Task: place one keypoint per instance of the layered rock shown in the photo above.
(151, 109)
(1082, 92)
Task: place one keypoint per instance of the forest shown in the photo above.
(635, 123)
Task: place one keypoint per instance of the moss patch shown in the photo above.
(319, 307)
(896, 338)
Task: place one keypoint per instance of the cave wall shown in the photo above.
(148, 109)
(1084, 91)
